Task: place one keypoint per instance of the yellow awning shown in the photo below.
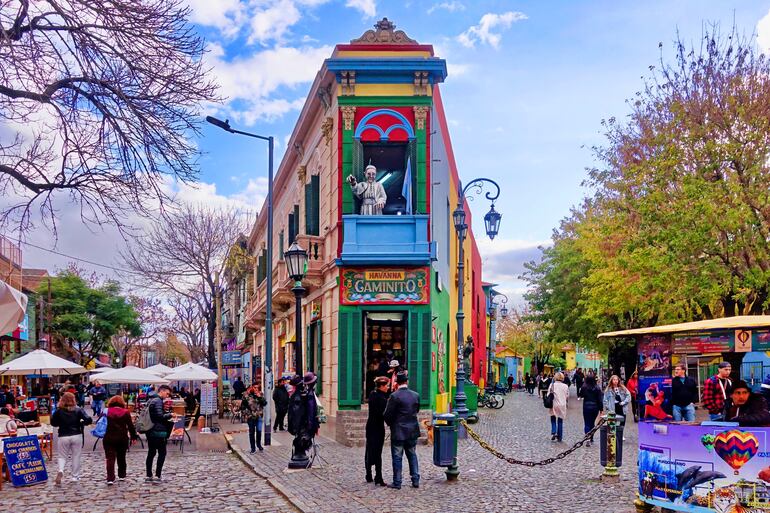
(725, 323)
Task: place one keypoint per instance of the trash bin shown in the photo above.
(444, 439)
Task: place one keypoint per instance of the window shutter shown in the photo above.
(319, 333)
(312, 205)
(292, 231)
(420, 355)
(350, 359)
(296, 220)
(280, 245)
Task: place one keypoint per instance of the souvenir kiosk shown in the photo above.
(698, 466)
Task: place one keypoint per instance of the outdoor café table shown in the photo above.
(44, 433)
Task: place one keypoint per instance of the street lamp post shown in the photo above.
(492, 225)
(296, 264)
(493, 318)
(268, 359)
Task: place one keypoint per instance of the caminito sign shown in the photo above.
(386, 286)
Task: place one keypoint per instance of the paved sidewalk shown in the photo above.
(194, 481)
(521, 429)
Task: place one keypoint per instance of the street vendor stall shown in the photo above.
(710, 466)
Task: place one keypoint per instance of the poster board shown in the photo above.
(655, 397)
(654, 355)
(25, 460)
(707, 342)
(208, 399)
(704, 468)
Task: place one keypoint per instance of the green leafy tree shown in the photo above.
(84, 319)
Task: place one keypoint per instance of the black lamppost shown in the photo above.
(268, 358)
(493, 312)
(296, 263)
(492, 225)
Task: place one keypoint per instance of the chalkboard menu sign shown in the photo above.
(25, 460)
(43, 406)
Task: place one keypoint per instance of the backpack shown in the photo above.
(548, 399)
(101, 426)
(144, 422)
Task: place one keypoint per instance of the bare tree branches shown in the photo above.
(181, 253)
(191, 325)
(153, 321)
(101, 99)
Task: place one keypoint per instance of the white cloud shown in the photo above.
(452, 6)
(368, 7)
(225, 15)
(456, 70)
(250, 82)
(483, 32)
(763, 33)
(273, 21)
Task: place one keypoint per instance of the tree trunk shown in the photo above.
(212, 357)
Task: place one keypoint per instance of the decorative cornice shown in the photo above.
(326, 129)
(348, 83)
(348, 114)
(301, 174)
(421, 83)
(420, 114)
(384, 33)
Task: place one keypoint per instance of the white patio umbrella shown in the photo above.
(40, 362)
(129, 375)
(13, 305)
(160, 369)
(191, 372)
(99, 370)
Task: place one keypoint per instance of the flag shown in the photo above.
(406, 190)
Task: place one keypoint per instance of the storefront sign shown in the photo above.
(760, 340)
(385, 286)
(704, 343)
(24, 460)
(231, 358)
(704, 468)
(743, 341)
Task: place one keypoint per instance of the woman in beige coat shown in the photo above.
(558, 412)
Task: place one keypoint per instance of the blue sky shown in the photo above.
(529, 83)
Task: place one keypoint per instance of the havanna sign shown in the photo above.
(385, 286)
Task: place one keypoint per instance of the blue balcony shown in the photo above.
(386, 240)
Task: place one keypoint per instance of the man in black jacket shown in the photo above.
(281, 400)
(157, 437)
(684, 394)
(401, 415)
(746, 408)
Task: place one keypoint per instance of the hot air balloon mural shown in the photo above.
(736, 447)
(708, 442)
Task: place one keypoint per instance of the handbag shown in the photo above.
(548, 398)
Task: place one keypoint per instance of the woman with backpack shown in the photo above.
(593, 398)
(119, 427)
(70, 419)
(252, 408)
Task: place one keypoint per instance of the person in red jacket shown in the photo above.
(632, 385)
(716, 390)
(119, 428)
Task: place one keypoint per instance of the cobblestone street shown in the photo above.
(521, 430)
(194, 482)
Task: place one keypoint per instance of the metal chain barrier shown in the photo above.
(547, 461)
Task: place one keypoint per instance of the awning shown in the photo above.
(725, 323)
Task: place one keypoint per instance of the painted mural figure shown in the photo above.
(371, 193)
(467, 352)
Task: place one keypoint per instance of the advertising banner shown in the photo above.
(231, 358)
(385, 286)
(704, 468)
(655, 397)
(704, 343)
(655, 355)
(24, 460)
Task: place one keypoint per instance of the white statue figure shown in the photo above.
(371, 193)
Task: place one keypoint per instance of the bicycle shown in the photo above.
(488, 399)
